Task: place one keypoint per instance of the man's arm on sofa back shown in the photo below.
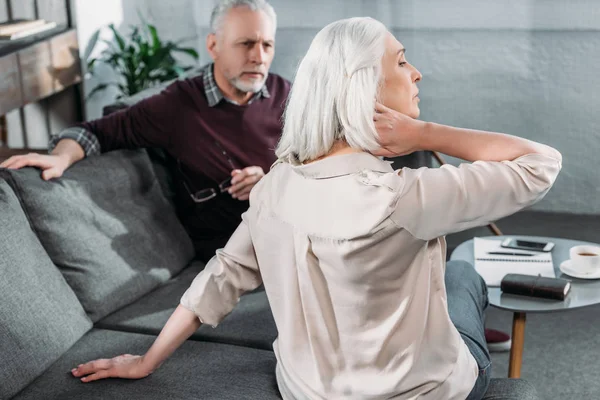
(142, 120)
(144, 124)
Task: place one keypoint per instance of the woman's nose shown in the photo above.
(417, 75)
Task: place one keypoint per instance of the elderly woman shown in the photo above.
(351, 253)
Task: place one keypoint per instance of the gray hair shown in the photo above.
(223, 6)
(334, 91)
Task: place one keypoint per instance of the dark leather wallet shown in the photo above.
(535, 286)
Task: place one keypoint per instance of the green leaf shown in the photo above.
(111, 45)
(91, 45)
(189, 51)
(156, 44)
(114, 59)
(118, 37)
(135, 32)
(125, 90)
(157, 58)
(91, 64)
(144, 50)
(142, 60)
(179, 71)
(141, 17)
(130, 58)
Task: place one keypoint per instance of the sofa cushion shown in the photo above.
(40, 316)
(107, 226)
(197, 370)
(250, 323)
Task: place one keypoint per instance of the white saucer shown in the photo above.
(566, 268)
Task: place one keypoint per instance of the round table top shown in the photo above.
(584, 292)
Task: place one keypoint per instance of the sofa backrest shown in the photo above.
(107, 226)
(40, 316)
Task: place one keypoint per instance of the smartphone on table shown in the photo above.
(530, 245)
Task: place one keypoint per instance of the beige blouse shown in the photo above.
(352, 257)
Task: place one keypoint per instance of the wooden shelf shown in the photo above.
(12, 46)
(37, 67)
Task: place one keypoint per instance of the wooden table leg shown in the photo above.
(518, 341)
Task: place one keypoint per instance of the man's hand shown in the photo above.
(125, 366)
(399, 134)
(243, 181)
(52, 166)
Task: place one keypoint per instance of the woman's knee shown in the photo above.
(461, 274)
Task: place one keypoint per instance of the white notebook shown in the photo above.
(493, 267)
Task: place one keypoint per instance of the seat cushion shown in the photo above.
(40, 316)
(510, 389)
(107, 226)
(197, 370)
(249, 324)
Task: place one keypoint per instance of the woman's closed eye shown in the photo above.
(402, 63)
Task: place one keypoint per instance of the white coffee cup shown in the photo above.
(585, 259)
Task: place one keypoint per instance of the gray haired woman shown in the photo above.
(351, 253)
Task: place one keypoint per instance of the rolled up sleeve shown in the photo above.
(86, 139)
(232, 272)
(437, 201)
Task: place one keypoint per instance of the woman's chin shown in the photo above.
(414, 114)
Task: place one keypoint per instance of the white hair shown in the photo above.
(334, 91)
(223, 6)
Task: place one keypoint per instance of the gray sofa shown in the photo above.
(93, 264)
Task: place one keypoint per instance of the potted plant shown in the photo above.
(140, 62)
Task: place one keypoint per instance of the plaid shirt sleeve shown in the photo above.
(87, 140)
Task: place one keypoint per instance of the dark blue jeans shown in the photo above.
(467, 301)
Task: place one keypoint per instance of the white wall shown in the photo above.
(89, 16)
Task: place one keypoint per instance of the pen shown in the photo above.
(502, 253)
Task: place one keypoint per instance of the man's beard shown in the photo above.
(246, 87)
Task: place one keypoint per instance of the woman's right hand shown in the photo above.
(177, 330)
(125, 366)
(399, 134)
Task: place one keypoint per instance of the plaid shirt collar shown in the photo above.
(214, 94)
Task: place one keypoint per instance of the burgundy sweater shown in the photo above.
(180, 121)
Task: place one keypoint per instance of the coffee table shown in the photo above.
(583, 293)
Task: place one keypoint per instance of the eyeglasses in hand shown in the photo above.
(202, 195)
